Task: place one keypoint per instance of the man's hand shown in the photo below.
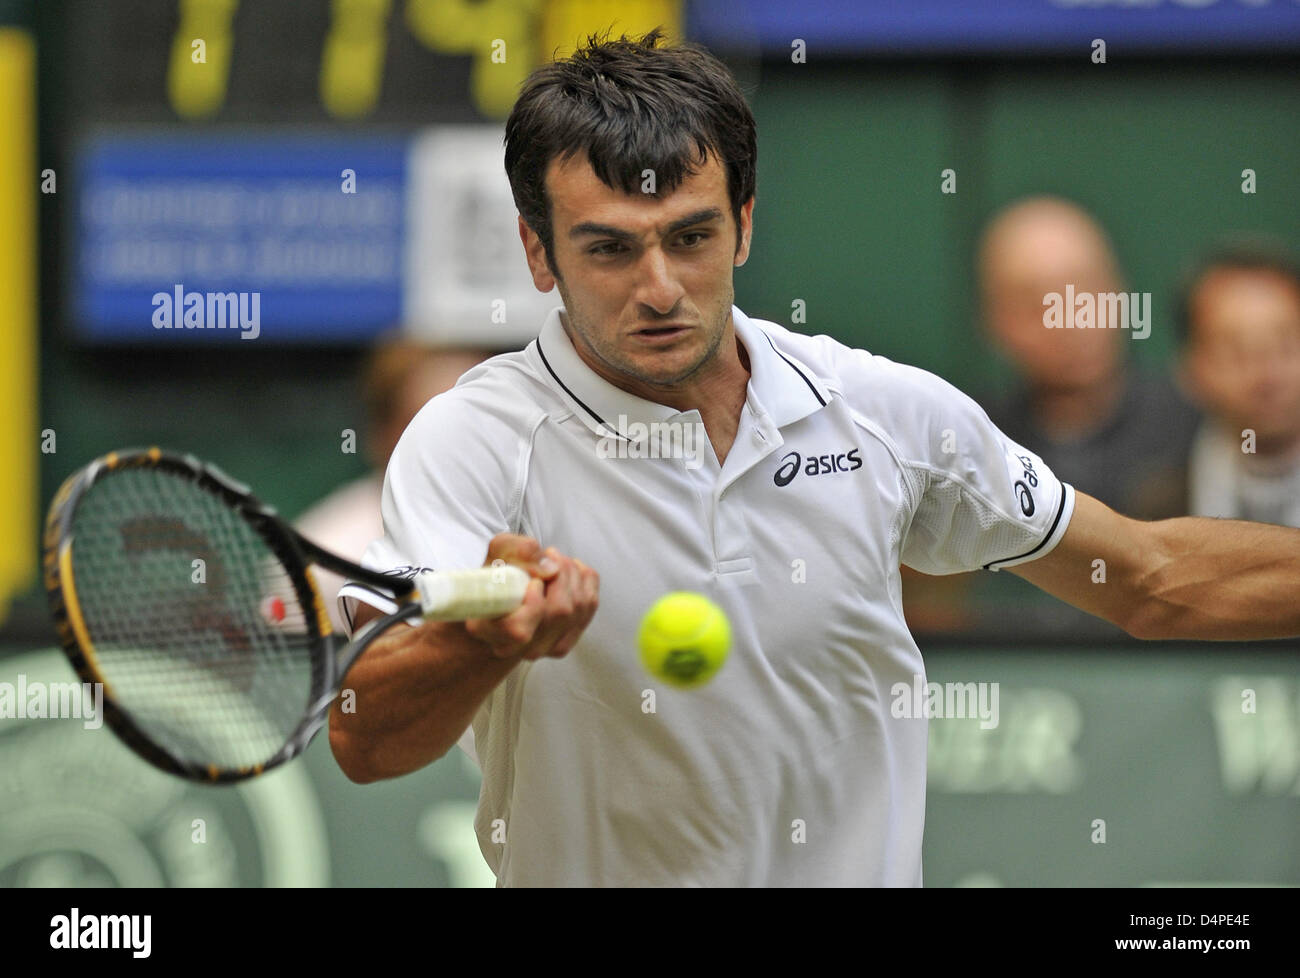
(420, 687)
(559, 604)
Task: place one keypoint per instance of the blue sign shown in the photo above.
(227, 238)
(1022, 26)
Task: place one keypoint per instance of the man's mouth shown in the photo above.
(661, 332)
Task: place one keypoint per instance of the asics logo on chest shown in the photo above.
(791, 463)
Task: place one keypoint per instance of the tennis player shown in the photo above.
(819, 470)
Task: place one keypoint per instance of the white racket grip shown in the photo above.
(485, 592)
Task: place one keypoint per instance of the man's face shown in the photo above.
(1243, 361)
(646, 281)
(1037, 256)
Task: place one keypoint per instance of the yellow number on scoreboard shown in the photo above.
(352, 64)
(199, 73)
(509, 38)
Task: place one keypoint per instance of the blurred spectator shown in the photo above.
(399, 378)
(1109, 428)
(1239, 315)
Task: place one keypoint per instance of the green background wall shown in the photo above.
(849, 217)
(1149, 743)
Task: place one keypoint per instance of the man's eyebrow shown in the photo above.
(619, 234)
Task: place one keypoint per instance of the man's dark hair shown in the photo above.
(1243, 253)
(630, 106)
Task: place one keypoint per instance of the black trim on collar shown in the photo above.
(1042, 543)
(599, 420)
(794, 368)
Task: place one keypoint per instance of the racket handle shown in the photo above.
(485, 592)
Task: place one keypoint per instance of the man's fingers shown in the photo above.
(587, 600)
(523, 552)
(550, 564)
(561, 600)
(510, 633)
(513, 546)
(558, 605)
(590, 583)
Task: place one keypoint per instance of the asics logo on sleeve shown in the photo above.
(1023, 494)
(849, 461)
(407, 571)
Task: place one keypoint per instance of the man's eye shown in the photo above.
(700, 235)
(610, 248)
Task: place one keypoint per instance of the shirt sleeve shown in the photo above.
(982, 500)
(448, 490)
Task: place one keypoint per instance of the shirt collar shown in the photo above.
(780, 387)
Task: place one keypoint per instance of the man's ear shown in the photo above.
(543, 280)
(746, 232)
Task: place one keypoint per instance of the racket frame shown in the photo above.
(331, 654)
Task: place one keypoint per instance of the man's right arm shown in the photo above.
(417, 689)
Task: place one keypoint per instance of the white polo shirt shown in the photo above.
(788, 769)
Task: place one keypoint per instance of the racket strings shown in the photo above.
(195, 624)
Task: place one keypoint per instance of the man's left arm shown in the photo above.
(1188, 578)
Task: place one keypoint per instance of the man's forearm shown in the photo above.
(1221, 579)
(416, 690)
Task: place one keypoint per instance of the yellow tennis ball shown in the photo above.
(684, 639)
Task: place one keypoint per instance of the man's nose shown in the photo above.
(659, 289)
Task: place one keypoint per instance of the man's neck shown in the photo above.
(1273, 456)
(1069, 414)
(718, 391)
(721, 410)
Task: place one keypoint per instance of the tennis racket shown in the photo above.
(195, 606)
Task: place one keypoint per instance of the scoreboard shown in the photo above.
(333, 166)
(324, 61)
